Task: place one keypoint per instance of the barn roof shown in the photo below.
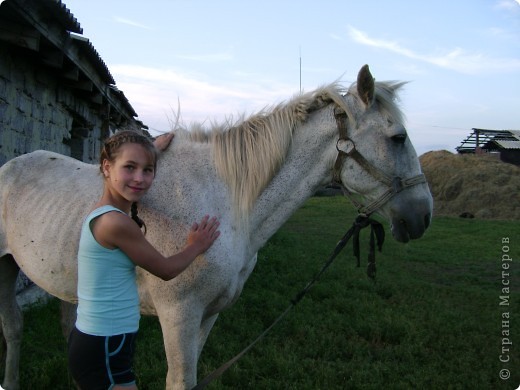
(48, 28)
(492, 140)
(63, 16)
(507, 144)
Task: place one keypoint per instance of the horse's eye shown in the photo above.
(399, 138)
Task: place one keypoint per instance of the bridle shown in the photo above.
(394, 184)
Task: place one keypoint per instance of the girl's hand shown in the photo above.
(117, 230)
(203, 234)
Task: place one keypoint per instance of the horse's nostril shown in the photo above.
(427, 220)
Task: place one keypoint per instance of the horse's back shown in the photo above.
(43, 199)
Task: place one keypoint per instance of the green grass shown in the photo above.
(432, 320)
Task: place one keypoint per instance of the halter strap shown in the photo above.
(394, 184)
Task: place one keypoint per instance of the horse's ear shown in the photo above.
(162, 142)
(365, 85)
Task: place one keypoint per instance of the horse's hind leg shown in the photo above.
(11, 321)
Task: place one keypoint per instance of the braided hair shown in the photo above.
(136, 218)
(111, 148)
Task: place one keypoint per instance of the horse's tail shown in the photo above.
(8, 175)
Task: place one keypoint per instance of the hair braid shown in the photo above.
(136, 218)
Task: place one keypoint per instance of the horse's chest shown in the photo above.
(235, 279)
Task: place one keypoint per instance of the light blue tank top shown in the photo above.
(108, 301)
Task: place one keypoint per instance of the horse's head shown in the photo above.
(376, 160)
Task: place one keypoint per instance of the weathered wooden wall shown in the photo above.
(56, 93)
(39, 111)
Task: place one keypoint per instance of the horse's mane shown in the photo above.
(248, 153)
(387, 99)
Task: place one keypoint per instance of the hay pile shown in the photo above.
(480, 185)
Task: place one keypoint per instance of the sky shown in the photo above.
(216, 60)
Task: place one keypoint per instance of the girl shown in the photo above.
(101, 345)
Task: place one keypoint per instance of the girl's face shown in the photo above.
(130, 175)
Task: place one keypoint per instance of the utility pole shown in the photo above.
(300, 69)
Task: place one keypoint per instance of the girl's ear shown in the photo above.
(106, 168)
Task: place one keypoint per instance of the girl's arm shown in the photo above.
(116, 230)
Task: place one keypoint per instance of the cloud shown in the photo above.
(131, 23)
(155, 93)
(456, 59)
(335, 37)
(507, 5)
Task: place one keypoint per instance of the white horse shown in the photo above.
(252, 175)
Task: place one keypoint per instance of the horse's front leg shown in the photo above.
(181, 329)
(205, 328)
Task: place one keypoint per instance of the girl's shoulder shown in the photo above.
(111, 217)
(103, 209)
(112, 225)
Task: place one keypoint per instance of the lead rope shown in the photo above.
(377, 235)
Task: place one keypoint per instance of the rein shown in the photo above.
(377, 235)
(394, 184)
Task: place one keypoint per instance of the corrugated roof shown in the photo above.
(516, 134)
(56, 13)
(66, 18)
(95, 59)
(507, 144)
(122, 98)
(502, 139)
(63, 15)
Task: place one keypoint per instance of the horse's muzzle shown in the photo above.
(410, 222)
(405, 230)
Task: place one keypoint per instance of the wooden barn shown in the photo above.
(56, 93)
(504, 143)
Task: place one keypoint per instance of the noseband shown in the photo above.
(394, 184)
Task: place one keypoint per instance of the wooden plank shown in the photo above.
(52, 58)
(18, 35)
(82, 85)
(71, 73)
(96, 98)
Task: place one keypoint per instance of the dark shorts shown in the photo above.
(100, 362)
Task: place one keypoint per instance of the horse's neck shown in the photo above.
(186, 184)
(189, 166)
(307, 167)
